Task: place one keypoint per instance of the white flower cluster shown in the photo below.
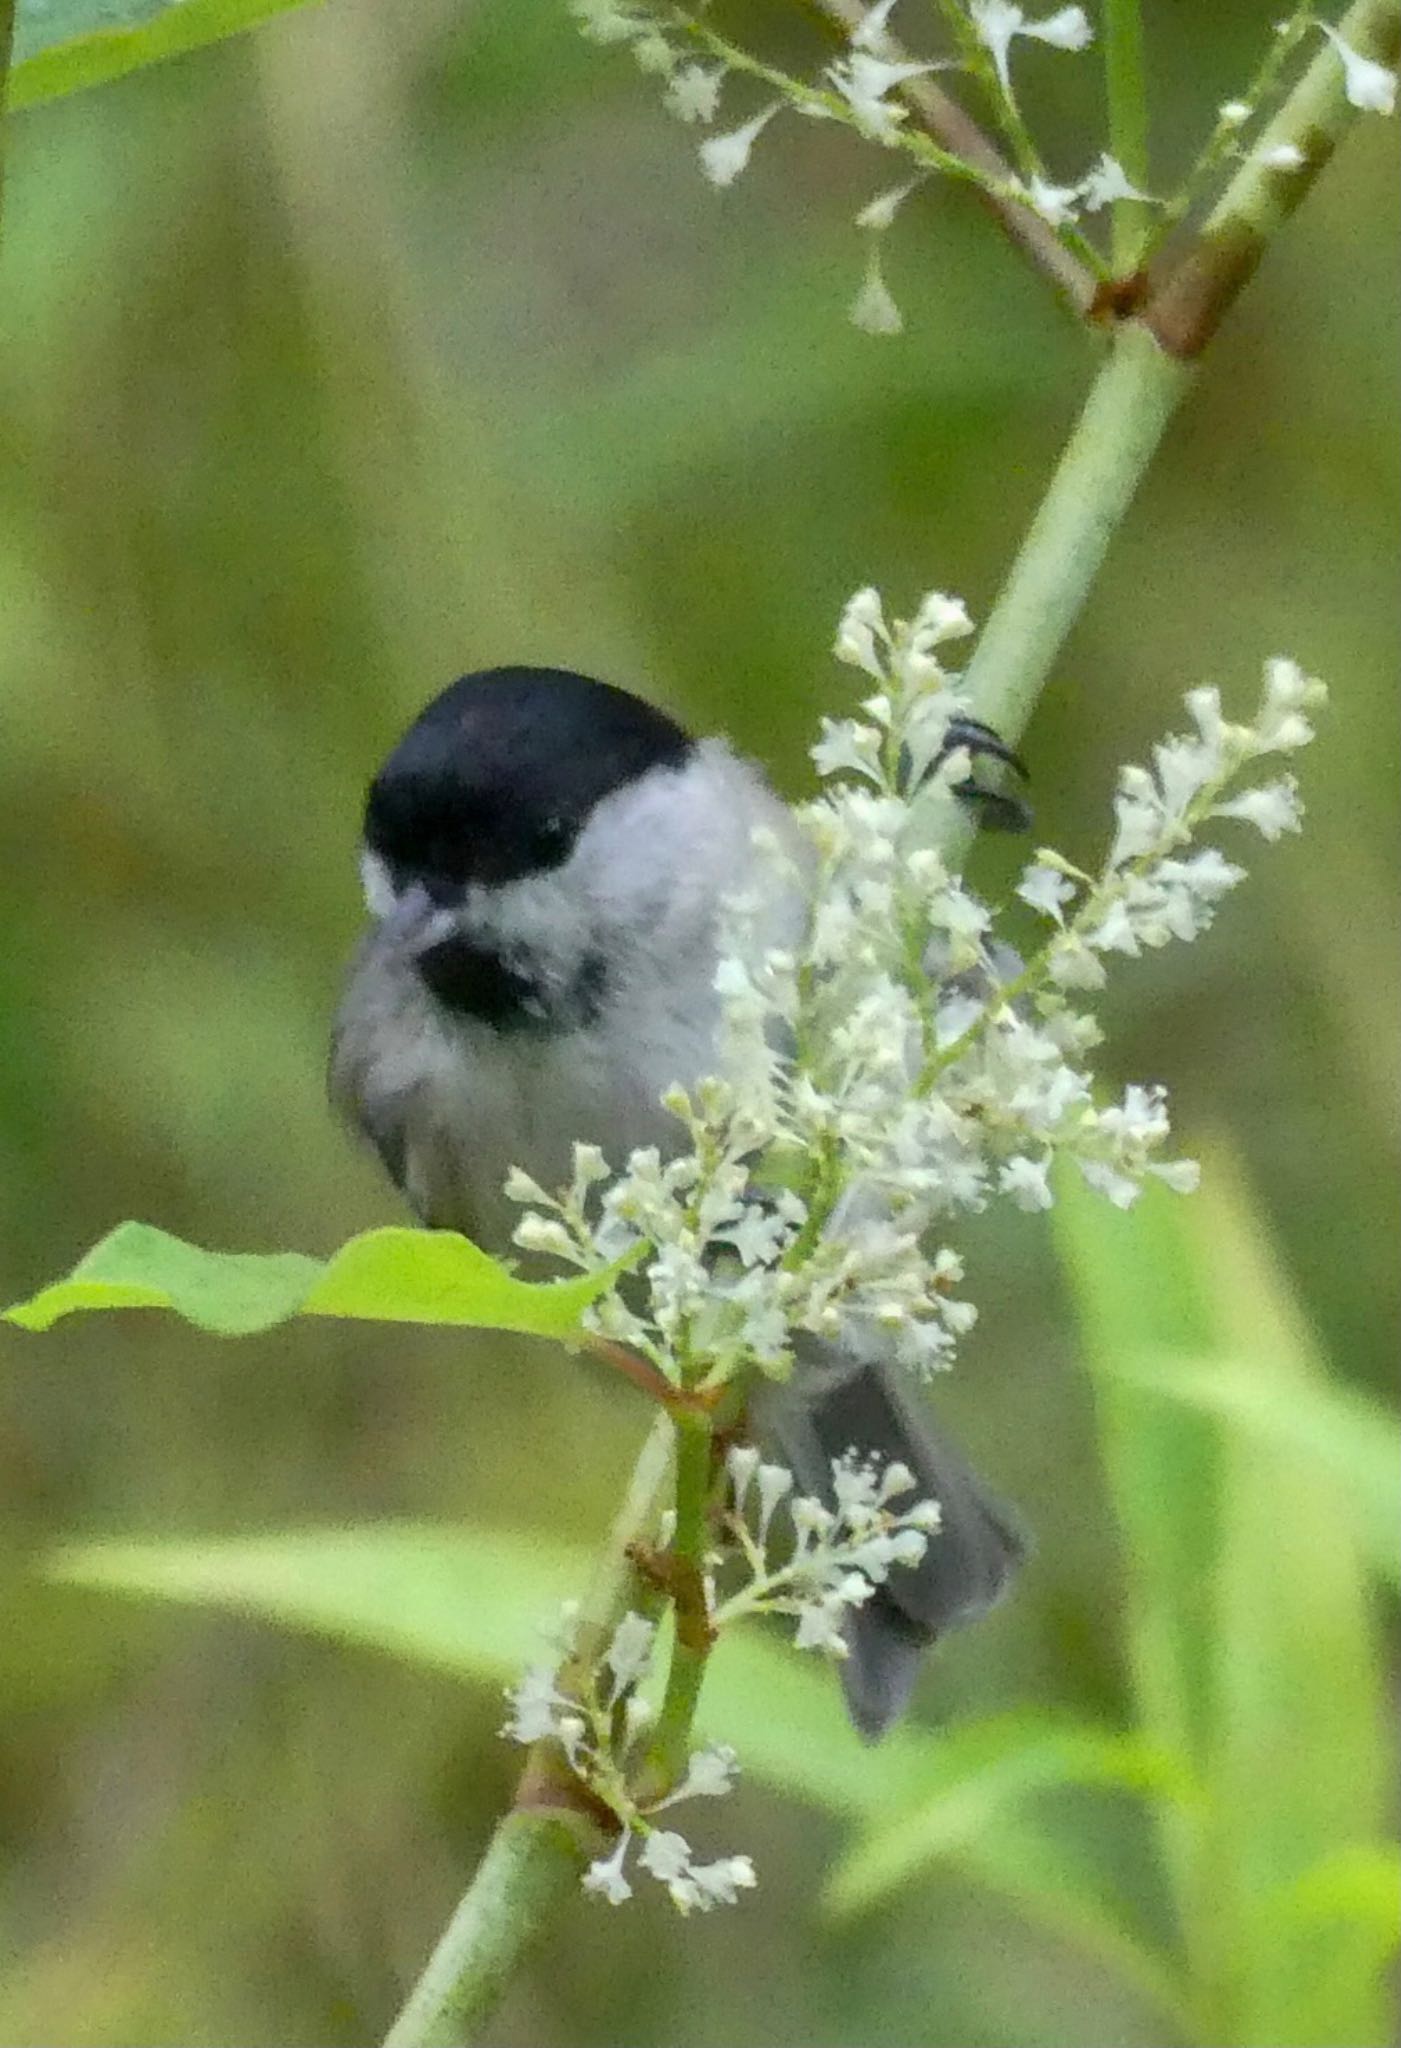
(838, 1554)
(602, 1734)
(866, 89)
(901, 1065)
(829, 1565)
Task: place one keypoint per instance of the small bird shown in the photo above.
(544, 860)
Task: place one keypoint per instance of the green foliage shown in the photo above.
(470, 1601)
(330, 376)
(60, 46)
(1246, 1608)
(390, 1275)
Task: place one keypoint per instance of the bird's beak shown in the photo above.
(416, 922)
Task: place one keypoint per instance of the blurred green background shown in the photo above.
(384, 344)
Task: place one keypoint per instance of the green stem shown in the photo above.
(1126, 90)
(537, 1851)
(1138, 389)
(531, 1866)
(690, 1649)
(1186, 310)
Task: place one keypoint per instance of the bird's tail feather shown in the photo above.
(972, 1556)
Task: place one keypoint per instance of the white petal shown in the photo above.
(693, 93)
(1069, 29)
(870, 32)
(1368, 85)
(873, 309)
(723, 157)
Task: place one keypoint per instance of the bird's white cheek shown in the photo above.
(378, 888)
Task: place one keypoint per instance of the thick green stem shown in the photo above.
(537, 1852)
(1138, 389)
(530, 1868)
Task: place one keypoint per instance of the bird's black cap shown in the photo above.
(495, 779)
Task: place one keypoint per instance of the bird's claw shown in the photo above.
(997, 810)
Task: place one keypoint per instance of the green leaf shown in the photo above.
(982, 1770)
(470, 1601)
(390, 1275)
(60, 46)
(1252, 1492)
(1349, 1435)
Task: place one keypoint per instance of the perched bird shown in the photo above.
(544, 859)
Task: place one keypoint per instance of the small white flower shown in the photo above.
(1047, 890)
(1067, 29)
(1107, 1180)
(630, 1651)
(1138, 827)
(521, 1188)
(710, 1774)
(1369, 86)
(1026, 1181)
(1115, 932)
(774, 1482)
(1234, 113)
(863, 81)
(873, 309)
(1071, 964)
(1106, 182)
(535, 1704)
(666, 1855)
(741, 1463)
(879, 213)
(1281, 156)
(1280, 724)
(820, 1622)
(939, 618)
(1204, 706)
(604, 1877)
(544, 1234)
(896, 1479)
(652, 52)
(1183, 1176)
(848, 748)
(1056, 204)
(590, 1166)
(604, 21)
(1273, 808)
(693, 91)
(718, 1883)
(870, 33)
(996, 22)
(861, 626)
(723, 157)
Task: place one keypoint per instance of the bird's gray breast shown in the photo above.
(452, 1102)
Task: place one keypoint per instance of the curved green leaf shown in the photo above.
(390, 1275)
(982, 1770)
(1346, 1434)
(1255, 1498)
(60, 46)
